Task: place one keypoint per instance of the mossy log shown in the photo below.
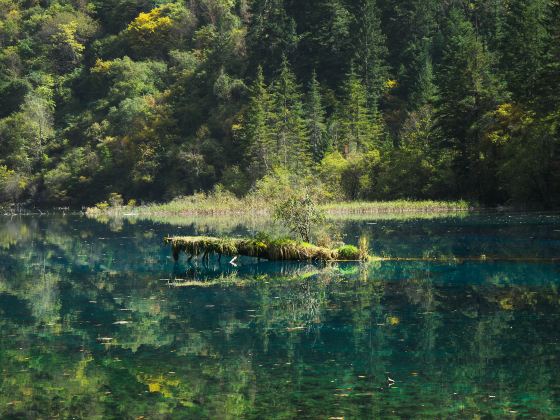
(274, 250)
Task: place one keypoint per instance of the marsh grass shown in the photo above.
(395, 207)
(269, 249)
(222, 203)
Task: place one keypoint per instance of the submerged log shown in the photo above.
(274, 250)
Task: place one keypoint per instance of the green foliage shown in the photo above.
(371, 52)
(361, 131)
(316, 125)
(115, 200)
(468, 89)
(299, 213)
(348, 252)
(288, 122)
(257, 129)
(523, 44)
(163, 99)
(12, 185)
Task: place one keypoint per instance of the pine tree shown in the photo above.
(257, 129)
(326, 40)
(467, 91)
(289, 128)
(424, 89)
(411, 50)
(316, 120)
(523, 46)
(271, 34)
(359, 132)
(548, 90)
(371, 52)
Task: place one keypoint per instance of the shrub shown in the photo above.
(349, 252)
(299, 212)
(102, 206)
(115, 200)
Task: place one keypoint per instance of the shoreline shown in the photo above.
(208, 207)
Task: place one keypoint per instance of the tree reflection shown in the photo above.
(101, 323)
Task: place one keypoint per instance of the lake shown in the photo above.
(97, 321)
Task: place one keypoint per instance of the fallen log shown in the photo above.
(274, 250)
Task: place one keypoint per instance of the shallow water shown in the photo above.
(96, 321)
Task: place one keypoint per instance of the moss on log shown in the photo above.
(275, 250)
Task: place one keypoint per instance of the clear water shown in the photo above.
(96, 321)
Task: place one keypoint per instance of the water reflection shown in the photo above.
(100, 322)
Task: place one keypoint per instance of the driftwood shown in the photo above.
(275, 250)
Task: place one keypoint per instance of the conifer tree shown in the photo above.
(523, 45)
(289, 127)
(356, 119)
(548, 91)
(424, 89)
(411, 50)
(467, 91)
(316, 120)
(257, 129)
(271, 34)
(371, 52)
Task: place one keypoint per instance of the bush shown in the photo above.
(348, 252)
(115, 200)
(12, 185)
(102, 206)
(299, 212)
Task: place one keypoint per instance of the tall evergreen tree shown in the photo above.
(290, 134)
(257, 131)
(371, 52)
(316, 120)
(360, 131)
(548, 80)
(424, 89)
(411, 49)
(271, 34)
(523, 45)
(467, 91)
(326, 40)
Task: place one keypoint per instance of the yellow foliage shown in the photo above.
(504, 110)
(506, 304)
(101, 66)
(154, 387)
(393, 320)
(161, 384)
(391, 84)
(81, 370)
(13, 14)
(150, 23)
(67, 34)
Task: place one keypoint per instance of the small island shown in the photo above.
(274, 250)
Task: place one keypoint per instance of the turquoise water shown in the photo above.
(96, 321)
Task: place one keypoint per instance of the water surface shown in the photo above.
(97, 321)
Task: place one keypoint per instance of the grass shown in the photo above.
(216, 204)
(397, 206)
(269, 249)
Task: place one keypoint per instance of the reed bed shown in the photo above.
(222, 204)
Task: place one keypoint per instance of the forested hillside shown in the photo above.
(369, 99)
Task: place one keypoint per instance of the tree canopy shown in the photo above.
(379, 99)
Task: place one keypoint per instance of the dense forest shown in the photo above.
(369, 99)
